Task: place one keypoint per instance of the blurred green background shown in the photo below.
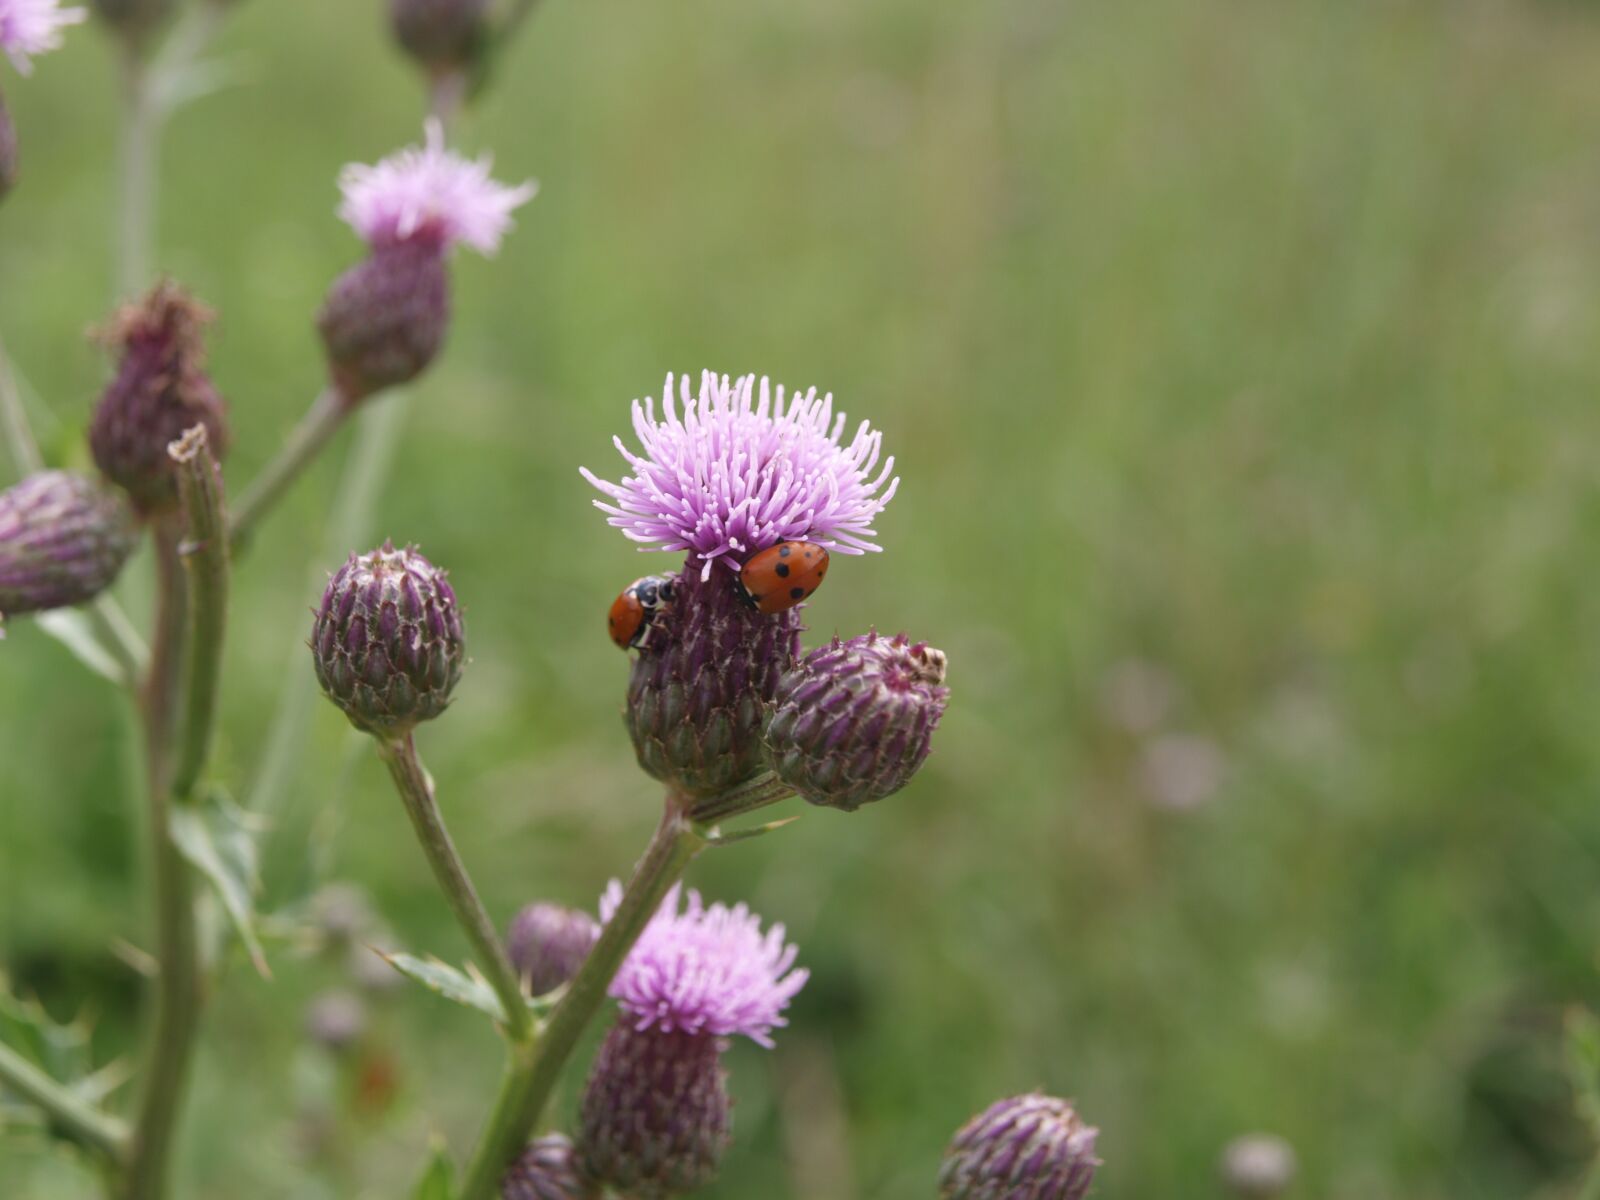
(1240, 360)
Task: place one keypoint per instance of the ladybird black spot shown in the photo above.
(797, 593)
(783, 552)
(783, 570)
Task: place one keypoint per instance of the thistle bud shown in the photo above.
(134, 19)
(63, 539)
(8, 150)
(442, 35)
(655, 1118)
(853, 721)
(161, 390)
(385, 318)
(387, 642)
(1258, 1166)
(547, 943)
(547, 1170)
(1033, 1145)
(336, 1021)
(697, 696)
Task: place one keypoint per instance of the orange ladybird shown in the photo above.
(783, 575)
(635, 612)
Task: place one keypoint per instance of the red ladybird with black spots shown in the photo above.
(783, 575)
(637, 612)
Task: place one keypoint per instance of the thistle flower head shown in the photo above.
(705, 970)
(30, 27)
(546, 1170)
(1032, 1147)
(737, 469)
(430, 194)
(547, 943)
(63, 540)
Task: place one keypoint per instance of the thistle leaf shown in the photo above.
(437, 1182)
(215, 836)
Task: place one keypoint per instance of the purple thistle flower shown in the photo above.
(547, 943)
(1030, 1147)
(429, 193)
(30, 27)
(738, 470)
(706, 971)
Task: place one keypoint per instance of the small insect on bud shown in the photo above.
(1033, 1145)
(547, 1170)
(547, 943)
(385, 318)
(387, 642)
(853, 721)
(8, 150)
(63, 539)
(1258, 1166)
(442, 35)
(160, 391)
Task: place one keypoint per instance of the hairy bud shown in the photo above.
(387, 642)
(442, 35)
(547, 943)
(385, 318)
(8, 150)
(853, 721)
(1024, 1146)
(547, 1170)
(63, 539)
(655, 1118)
(697, 696)
(160, 391)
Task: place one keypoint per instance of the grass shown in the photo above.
(1240, 361)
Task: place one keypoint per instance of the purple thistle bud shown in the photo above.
(30, 27)
(738, 471)
(1032, 1147)
(547, 1170)
(384, 319)
(63, 539)
(655, 1119)
(387, 641)
(705, 970)
(133, 19)
(697, 697)
(547, 943)
(160, 391)
(853, 721)
(336, 1021)
(8, 150)
(442, 35)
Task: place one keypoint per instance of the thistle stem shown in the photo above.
(305, 441)
(205, 558)
(532, 1076)
(416, 791)
(178, 985)
(85, 1122)
(136, 198)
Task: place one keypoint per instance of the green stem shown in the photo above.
(304, 443)
(532, 1076)
(205, 557)
(416, 791)
(83, 1120)
(178, 985)
(136, 197)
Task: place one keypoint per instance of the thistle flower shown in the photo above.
(1032, 1147)
(656, 1117)
(547, 1170)
(385, 319)
(161, 390)
(8, 150)
(853, 721)
(31, 27)
(547, 943)
(442, 35)
(387, 642)
(739, 471)
(63, 539)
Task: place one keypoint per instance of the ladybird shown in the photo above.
(636, 611)
(783, 575)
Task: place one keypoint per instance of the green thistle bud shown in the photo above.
(1032, 1147)
(63, 539)
(384, 319)
(442, 35)
(387, 642)
(655, 1118)
(160, 391)
(698, 694)
(8, 150)
(853, 721)
(547, 1170)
